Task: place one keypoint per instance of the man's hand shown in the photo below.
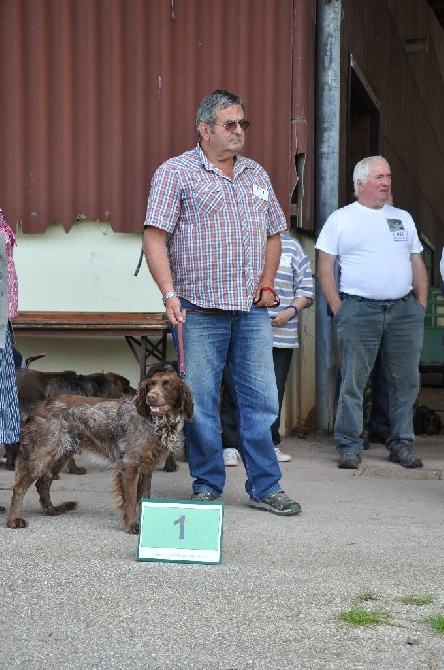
(173, 311)
(326, 274)
(266, 297)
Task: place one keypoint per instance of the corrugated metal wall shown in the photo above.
(97, 93)
(410, 90)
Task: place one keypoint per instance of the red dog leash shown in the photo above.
(180, 340)
(276, 302)
(180, 343)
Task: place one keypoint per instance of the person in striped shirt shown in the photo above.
(212, 245)
(294, 285)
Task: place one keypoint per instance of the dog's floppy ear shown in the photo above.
(140, 400)
(187, 408)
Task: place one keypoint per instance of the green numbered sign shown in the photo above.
(180, 531)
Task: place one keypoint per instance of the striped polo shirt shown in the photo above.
(217, 227)
(293, 280)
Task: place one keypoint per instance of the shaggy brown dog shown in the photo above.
(34, 386)
(167, 366)
(133, 435)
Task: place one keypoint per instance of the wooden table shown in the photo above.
(145, 332)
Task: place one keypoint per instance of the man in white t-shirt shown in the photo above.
(380, 304)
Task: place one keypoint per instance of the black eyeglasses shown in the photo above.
(231, 125)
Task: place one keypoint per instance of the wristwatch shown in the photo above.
(170, 294)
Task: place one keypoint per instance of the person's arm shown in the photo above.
(302, 283)
(158, 264)
(420, 280)
(284, 316)
(326, 274)
(272, 257)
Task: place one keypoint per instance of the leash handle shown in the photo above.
(180, 343)
(276, 301)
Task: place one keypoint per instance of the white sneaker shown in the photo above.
(282, 458)
(230, 457)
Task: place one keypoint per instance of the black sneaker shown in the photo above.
(349, 460)
(278, 503)
(406, 457)
(204, 496)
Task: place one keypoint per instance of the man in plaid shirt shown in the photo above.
(212, 245)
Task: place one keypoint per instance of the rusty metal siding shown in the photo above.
(303, 104)
(409, 87)
(97, 93)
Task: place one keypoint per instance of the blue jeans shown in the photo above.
(379, 420)
(396, 328)
(243, 340)
(228, 410)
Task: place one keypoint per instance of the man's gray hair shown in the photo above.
(362, 169)
(219, 99)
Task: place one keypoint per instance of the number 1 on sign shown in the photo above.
(181, 522)
(163, 536)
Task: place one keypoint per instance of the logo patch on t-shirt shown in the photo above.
(396, 227)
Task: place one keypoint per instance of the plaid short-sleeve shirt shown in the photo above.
(217, 227)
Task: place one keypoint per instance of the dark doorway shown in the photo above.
(363, 122)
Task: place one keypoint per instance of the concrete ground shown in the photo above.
(74, 597)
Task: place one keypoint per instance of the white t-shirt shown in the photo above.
(373, 247)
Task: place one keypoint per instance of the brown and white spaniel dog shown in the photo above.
(132, 434)
(33, 386)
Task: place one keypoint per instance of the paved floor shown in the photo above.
(74, 597)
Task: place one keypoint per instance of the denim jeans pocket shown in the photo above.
(340, 310)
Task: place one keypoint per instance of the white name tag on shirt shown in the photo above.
(285, 260)
(400, 235)
(260, 192)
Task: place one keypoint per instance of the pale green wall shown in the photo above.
(91, 268)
